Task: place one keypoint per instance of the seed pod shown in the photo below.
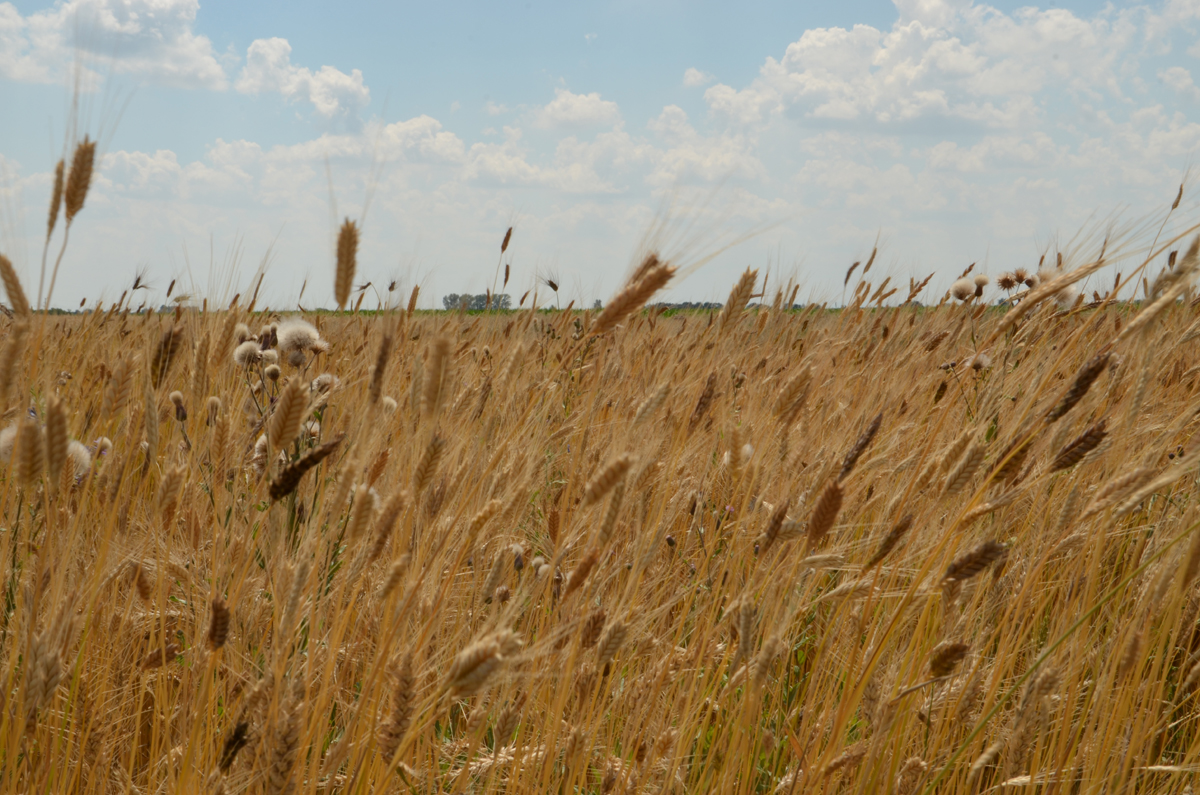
(824, 513)
(1076, 449)
(57, 440)
(168, 494)
(894, 536)
(235, 741)
(434, 376)
(381, 359)
(774, 526)
(56, 198)
(593, 625)
(218, 627)
(1080, 386)
(347, 262)
(392, 731)
(473, 665)
(30, 452)
(960, 475)
(973, 562)
(704, 402)
(427, 466)
(79, 179)
(610, 643)
(945, 657)
(164, 354)
(739, 297)
(1012, 459)
(288, 416)
(860, 447)
(603, 483)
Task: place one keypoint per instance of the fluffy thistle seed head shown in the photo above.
(80, 457)
(981, 281)
(246, 354)
(177, 401)
(8, 437)
(297, 335)
(980, 361)
(963, 289)
(213, 408)
(324, 383)
(273, 372)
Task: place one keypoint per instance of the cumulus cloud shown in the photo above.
(688, 155)
(152, 40)
(269, 68)
(958, 132)
(942, 59)
(569, 110)
(1180, 80)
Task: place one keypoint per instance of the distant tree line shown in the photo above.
(477, 302)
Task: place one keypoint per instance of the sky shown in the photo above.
(788, 137)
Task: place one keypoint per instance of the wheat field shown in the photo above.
(885, 548)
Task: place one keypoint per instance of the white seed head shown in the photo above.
(962, 289)
(246, 354)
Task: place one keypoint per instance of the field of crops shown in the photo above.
(885, 548)
(893, 549)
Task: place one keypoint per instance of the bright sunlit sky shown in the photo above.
(952, 131)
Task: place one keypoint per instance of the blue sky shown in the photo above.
(951, 131)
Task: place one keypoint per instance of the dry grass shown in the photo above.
(531, 552)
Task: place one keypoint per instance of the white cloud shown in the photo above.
(996, 152)
(269, 68)
(934, 13)
(688, 155)
(152, 40)
(1180, 80)
(941, 60)
(569, 110)
(959, 133)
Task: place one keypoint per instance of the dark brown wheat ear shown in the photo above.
(824, 514)
(347, 262)
(56, 199)
(291, 475)
(1080, 386)
(860, 447)
(164, 354)
(218, 626)
(80, 178)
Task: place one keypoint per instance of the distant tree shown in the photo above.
(476, 303)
